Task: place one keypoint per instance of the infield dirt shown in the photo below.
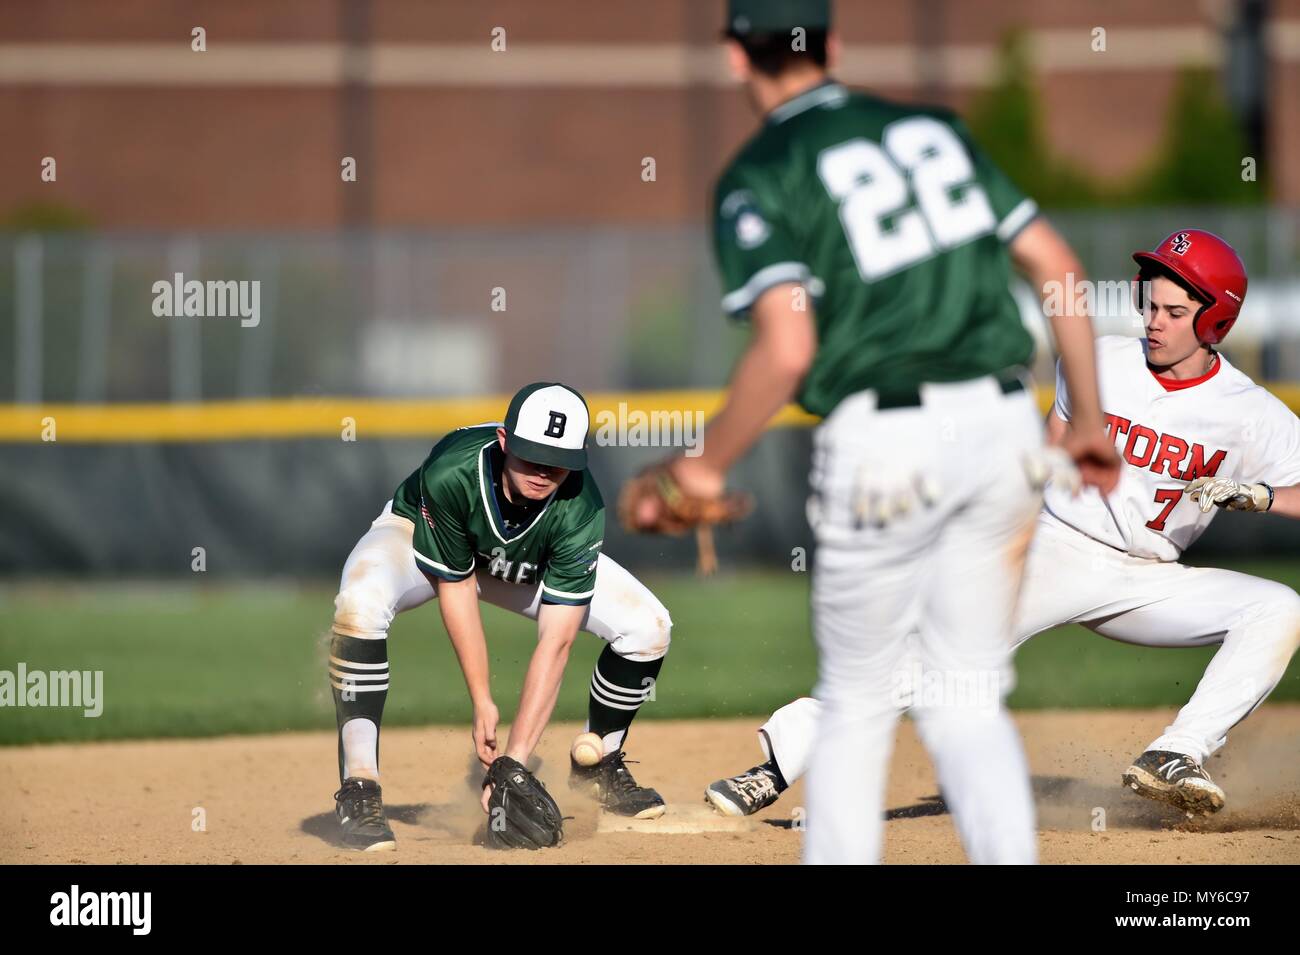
(267, 799)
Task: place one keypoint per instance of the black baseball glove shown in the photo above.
(521, 813)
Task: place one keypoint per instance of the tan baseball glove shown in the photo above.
(653, 503)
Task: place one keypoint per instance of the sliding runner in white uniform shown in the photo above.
(1196, 436)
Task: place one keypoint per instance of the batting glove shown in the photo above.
(1051, 464)
(1211, 492)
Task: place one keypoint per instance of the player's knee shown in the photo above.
(1273, 602)
(361, 611)
(1289, 604)
(1286, 608)
(648, 634)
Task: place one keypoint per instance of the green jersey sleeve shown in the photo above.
(1013, 209)
(753, 243)
(441, 542)
(570, 575)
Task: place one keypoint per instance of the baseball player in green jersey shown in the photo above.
(870, 246)
(507, 514)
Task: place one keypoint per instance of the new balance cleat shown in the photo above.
(744, 794)
(1175, 779)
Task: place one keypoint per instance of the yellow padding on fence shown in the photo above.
(362, 417)
(315, 418)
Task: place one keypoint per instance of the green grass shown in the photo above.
(195, 661)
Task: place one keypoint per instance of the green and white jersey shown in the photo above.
(463, 521)
(895, 223)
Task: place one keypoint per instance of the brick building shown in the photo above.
(446, 131)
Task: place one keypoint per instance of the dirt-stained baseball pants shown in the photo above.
(1071, 578)
(381, 579)
(929, 592)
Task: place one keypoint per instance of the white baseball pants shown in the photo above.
(1071, 578)
(920, 601)
(381, 579)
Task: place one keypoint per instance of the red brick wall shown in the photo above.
(171, 155)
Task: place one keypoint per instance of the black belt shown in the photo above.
(1009, 381)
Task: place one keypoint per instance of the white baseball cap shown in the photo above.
(547, 424)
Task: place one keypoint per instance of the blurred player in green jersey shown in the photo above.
(870, 246)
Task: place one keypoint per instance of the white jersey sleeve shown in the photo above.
(1062, 403)
(1272, 444)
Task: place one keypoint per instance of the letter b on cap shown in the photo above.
(555, 428)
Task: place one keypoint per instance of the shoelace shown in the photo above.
(621, 777)
(363, 806)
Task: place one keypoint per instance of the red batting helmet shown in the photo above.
(1210, 268)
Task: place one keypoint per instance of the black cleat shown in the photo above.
(744, 794)
(1175, 779)
(359, 804)
(612, 784)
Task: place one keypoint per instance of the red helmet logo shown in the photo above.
(1210, 268)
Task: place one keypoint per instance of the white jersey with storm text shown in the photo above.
(1168, 433)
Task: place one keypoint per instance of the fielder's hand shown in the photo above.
(679, 496)
(1211, 492)
(521, 813)
(676, 496)
(1052, 464)
(1094, 455)
(484, 733)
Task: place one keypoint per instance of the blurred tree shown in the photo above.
(1203, 148)
(1006, 121)
(1198, 160)
(43, 216)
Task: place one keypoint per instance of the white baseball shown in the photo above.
(588, 749)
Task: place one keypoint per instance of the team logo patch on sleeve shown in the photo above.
(751, 229)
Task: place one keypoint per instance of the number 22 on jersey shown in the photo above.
(870, 183)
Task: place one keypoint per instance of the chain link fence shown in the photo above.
(83, 319)
(428, 314)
